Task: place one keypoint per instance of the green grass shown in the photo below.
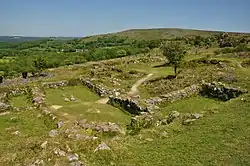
(216, 139)
(23, 148)
(81, 93)
(20, 101)
(86, 106)
(191, 105)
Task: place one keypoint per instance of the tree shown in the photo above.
(40, 64)
(175, 53)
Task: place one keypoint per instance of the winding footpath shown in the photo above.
(134, 89)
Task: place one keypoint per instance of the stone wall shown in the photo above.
(220, 91)
(98, 89)
(4, 102)
(192, 90)
(56, 84)
(129, 105)
(38, 100)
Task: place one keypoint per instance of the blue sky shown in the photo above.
(88, 17)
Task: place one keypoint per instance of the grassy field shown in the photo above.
(86, 106)
(220, 137)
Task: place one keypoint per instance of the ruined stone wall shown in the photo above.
(98, 89)
(38, 100)
(56, 84)
(129, 105)
(192, 90)
(220, 91)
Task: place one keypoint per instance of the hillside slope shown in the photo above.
(159, 33)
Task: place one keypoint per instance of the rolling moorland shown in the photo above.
(137, 97)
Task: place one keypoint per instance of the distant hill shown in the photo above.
(25, 38)
(159, 33)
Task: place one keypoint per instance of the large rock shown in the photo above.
(102, 146)
(53, 133)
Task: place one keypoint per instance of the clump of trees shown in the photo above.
(174, 52)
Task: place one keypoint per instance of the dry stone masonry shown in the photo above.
(56, 84)
(192, 90)
(129, 105)
(220, 91)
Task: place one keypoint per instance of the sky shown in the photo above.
(78, 18)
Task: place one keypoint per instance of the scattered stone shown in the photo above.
(44, 145)
(164, 134)
(68, 148)
(4, 113)
(149, 139)
(66, 99)
(77, 163)
(242, 99)
(95, 138)
(13, 118)
(59, 124)
(172, 116)
(39, 116)
(188, 121)
(16, 133)
(38, 163)
(53, 133)
(72, 98)
(196, 116)
(4, 106)
(73, 157)
(59, 152)
(117, 94)
(102, 146)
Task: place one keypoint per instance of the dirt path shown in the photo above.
(134, 90)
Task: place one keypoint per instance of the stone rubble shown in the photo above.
(102, 146)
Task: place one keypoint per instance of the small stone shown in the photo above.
(44, 145)
(149, 139)
(68, 148)
(196, 116)
(53, 133)
(4, 113)
(117, 94)
(66, 99)
(38, 163)
(16, 133)
(188, 121)
(59, 152)
(72, 99)
(77, 163)
(102, 146)
(164, 134)
(73, 157)
(59, 124)
(95, 138)
(39, 116)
